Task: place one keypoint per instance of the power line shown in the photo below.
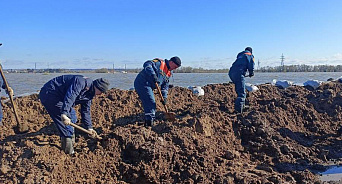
(282, 62)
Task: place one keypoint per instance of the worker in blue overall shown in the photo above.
(237, 73)
(9, 92)
(61, 94)
(155, 71)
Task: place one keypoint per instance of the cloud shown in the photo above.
(204, 62)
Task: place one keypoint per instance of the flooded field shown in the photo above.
(28, 82)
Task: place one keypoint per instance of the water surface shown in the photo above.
(25, 83)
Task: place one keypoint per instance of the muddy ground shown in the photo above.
(287, 136)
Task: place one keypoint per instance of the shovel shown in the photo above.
(21, 128)
(168, 115)
(84, 130)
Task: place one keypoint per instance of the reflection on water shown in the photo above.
(30, 82)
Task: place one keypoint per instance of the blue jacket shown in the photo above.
(159, 68)
(244, 61)
(72, 90)
(2, 84)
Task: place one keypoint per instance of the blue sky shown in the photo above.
(203, 33)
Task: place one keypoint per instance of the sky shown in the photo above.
(89, 34)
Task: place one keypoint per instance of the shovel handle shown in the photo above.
(84, 130)
(10, 96)
(162, 98)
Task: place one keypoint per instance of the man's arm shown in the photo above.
(250, 65)
(85, 115)
(164, 90)
(70, 97)
(148, 67)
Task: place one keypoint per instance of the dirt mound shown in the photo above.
(287, 135)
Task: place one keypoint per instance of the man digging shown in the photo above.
(61, 94)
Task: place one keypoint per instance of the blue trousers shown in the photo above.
(239, 80)
(53, 107)
(145, 92)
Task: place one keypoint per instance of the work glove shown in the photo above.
(93, 133)
(165, 101)
(251, 74)
(155, 78)
(66, 120)
(10, 91)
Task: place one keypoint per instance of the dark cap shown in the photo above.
(101, 84)
(248, 49)
(176, 60)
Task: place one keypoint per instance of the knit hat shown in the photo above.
(101, 84)
(248, 49)
(176, 60)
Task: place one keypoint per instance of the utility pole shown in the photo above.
(282, 62)
(113, 67)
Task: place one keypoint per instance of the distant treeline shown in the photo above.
(188, 69)
(302, 68)
(285, 68)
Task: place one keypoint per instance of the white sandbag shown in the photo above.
(339, 79)
(251, 87)
(313, 83)
(197, 90)
(283, 83)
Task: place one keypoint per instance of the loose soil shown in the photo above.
(286, 136)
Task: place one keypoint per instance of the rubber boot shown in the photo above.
(73, 137)
(246, 107)
(67, 145)
(148, 123)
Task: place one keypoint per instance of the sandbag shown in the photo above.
(283, 83)
(313, 84)
(339, 79)
(251, 87)
(197, 90)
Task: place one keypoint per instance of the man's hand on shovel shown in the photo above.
(66, 120)
(92, 133)
(10, 91)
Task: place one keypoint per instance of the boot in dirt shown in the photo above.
(67, 145)
(246, 107)
(148, 123)
(73, 138)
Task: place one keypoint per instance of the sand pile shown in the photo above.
(287, 135)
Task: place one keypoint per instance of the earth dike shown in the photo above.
(286, 136)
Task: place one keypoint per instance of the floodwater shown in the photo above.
(27, 83)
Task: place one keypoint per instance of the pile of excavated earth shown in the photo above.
(286, 136)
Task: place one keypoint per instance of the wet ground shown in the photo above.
(287, 136)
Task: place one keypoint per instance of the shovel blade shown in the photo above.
(21, 128)
(170, 116)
